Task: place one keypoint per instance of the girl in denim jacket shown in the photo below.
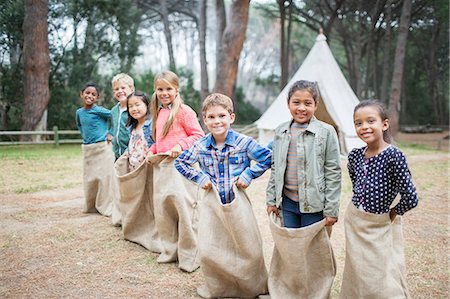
(140, 126)
(305, 180)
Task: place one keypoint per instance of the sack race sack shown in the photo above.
(136, 204)
(303, 263)
(374, 258)
(116, 215)
(175, 203)
(99, 182)
(230, 248)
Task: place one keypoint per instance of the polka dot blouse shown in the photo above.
(377, 181)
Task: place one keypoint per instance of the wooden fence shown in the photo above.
(46, 137)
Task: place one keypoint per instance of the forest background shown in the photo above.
(393, 50)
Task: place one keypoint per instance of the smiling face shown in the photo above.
(369, 125)
(165, 92)
(218, 121)
(121, 91)
(137, 108)
(89, 96)
(302, 106)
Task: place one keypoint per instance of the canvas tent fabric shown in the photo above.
(338, 98)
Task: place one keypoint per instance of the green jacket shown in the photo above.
(319, 170)
(120, 133)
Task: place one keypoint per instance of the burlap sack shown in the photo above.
(230, 248)
(116, 214)
(374, 258)
(99, 182)
(175, 202)
(136, 204)
(303, 264)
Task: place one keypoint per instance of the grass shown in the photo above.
(28, 169)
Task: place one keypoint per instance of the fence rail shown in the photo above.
(55, 133)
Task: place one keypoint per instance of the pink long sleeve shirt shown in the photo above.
(185, 130)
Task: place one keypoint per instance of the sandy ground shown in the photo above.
(50, 249)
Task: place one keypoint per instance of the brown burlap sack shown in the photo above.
(136, 204)
(374, 258)
(99, 182)
(116, 214)
(230, 248)
(175, 202)
(303, 264)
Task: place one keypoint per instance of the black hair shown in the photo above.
(311, 87)
(144, 97)
(91, 84)
(382, 111)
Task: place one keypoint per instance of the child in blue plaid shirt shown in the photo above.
(224, 155)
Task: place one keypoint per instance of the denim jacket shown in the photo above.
(147, 129)
(319, 170)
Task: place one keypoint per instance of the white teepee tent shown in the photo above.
(338, 98)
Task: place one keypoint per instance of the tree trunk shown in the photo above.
(221, 23)
(230, 50)
(283, 45)
(167, 33)
(386, 55)
(204, 82)
(397, 78)
(36, 64)
(432, 75)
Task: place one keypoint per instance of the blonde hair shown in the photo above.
(122, 77)
(217, 99)
(172, 79)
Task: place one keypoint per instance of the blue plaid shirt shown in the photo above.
(224, 166)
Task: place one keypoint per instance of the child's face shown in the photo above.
(369, 125)
(302, 106)
(165, 92)
(218, 120)
(89, 96)
(137, 108)
(121, 91)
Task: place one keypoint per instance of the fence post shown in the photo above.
(56, 136)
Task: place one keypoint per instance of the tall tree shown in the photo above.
(36, 63)
(230, 49)
(202, 21)
(167, 32)
(397, 78)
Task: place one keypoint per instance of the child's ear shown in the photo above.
(385, 124)
(232, 117)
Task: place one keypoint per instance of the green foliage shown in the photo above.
(144, 82)
(188, 93)
(246, 113)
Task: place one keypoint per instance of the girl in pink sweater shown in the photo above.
(175, 129)
(175, 125)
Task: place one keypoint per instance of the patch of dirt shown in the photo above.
(49, 248)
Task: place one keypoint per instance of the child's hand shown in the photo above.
(149, 154)
(330, 220)
(207, 185)
(392, 215)
(175, 151)
(109, 138)
(241, 184)
(273, 209)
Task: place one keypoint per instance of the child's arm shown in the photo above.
(270, 191)
(101, 111)
(403, 179)
(77, 120)
(332, 173)
(184, 164)
(191, 126)
(263, 158)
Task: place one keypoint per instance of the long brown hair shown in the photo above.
(172, 79)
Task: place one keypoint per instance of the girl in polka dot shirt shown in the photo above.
(374, 263)
(379, 171)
